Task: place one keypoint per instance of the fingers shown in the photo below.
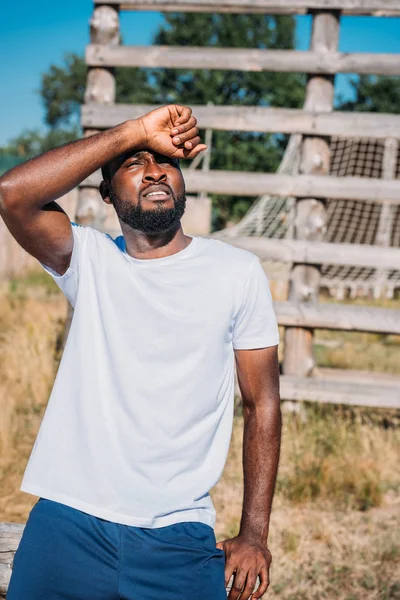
(229, 570)
(250, 584)
(193, 153)
(264, 583)
(184, 113)
(238, 584)
(190, 124)
(189, 139)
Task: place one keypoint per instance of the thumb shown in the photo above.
(220, 545)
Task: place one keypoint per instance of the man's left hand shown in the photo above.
(247, 559)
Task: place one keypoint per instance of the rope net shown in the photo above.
(348, 221)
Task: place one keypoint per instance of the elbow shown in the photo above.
(7, 195)
(265, 408)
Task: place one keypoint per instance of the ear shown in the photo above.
(105, 191)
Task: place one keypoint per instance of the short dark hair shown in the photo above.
(105, 169)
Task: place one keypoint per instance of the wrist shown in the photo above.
(254, 533)
(133, 134)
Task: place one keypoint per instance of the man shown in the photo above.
(138, 425)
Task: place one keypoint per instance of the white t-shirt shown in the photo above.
(139, 421)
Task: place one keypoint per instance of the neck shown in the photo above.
(154, 245)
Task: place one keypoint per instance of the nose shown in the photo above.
(153, 172)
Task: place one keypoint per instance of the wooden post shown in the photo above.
(310, 222)
(100, 89)
(386, 217)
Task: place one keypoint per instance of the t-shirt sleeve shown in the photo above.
(69, 281)
(255, 324)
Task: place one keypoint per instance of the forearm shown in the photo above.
(45, 178)
(261, 449)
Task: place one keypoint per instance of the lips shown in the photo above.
(157, 191)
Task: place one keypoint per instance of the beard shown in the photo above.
(155, 220)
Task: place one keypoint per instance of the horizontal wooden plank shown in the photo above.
(377, 7)
(340, 391)
(357, 375)
(238, 183)
(256, 118)
(242, 59)
(318, 253)
(338, 317)
(307, 186)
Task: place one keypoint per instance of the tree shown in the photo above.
(232, 150)
(62, 91)
(374, 94)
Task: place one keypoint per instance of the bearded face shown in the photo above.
(146, 189)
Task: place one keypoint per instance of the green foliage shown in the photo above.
(32, 142)
(133, 86)
(232, 150)
(62, 91)
(8, 160)
(375, 94)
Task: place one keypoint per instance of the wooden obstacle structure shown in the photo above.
(302, 313)
(311, 187)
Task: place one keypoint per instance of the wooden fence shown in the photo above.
(317, 121)
(301, 314)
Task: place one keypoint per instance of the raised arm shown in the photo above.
(247, 554)
(28, 191)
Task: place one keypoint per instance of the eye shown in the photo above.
(132, 163)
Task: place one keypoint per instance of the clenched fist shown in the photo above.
(172, 130)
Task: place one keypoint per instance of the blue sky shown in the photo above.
(37, 34)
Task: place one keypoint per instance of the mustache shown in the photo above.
(140, 197)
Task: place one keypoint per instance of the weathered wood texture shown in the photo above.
(10, 536)
(319, 253)
(238, 183)
(104, 30)
(310, 219)
(340, 391)
(256, 118)
(338, 317)
(100, 88)
(363, 7)
(241, 59)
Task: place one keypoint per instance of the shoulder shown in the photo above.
(98, 237)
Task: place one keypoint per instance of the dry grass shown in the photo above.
(333, 530)
(359, 351)
(32, 313)
(322, 546)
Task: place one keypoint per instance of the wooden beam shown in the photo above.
(257, 118)
(338, 317)
(241, 59)
(362, 7)
(319, 253)
(310, 212)
(10, 537)
(340, 391)
(238, 183)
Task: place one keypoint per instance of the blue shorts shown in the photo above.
(67, 554)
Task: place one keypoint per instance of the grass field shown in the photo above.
(334, 530)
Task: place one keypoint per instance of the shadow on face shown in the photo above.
(147, 190)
